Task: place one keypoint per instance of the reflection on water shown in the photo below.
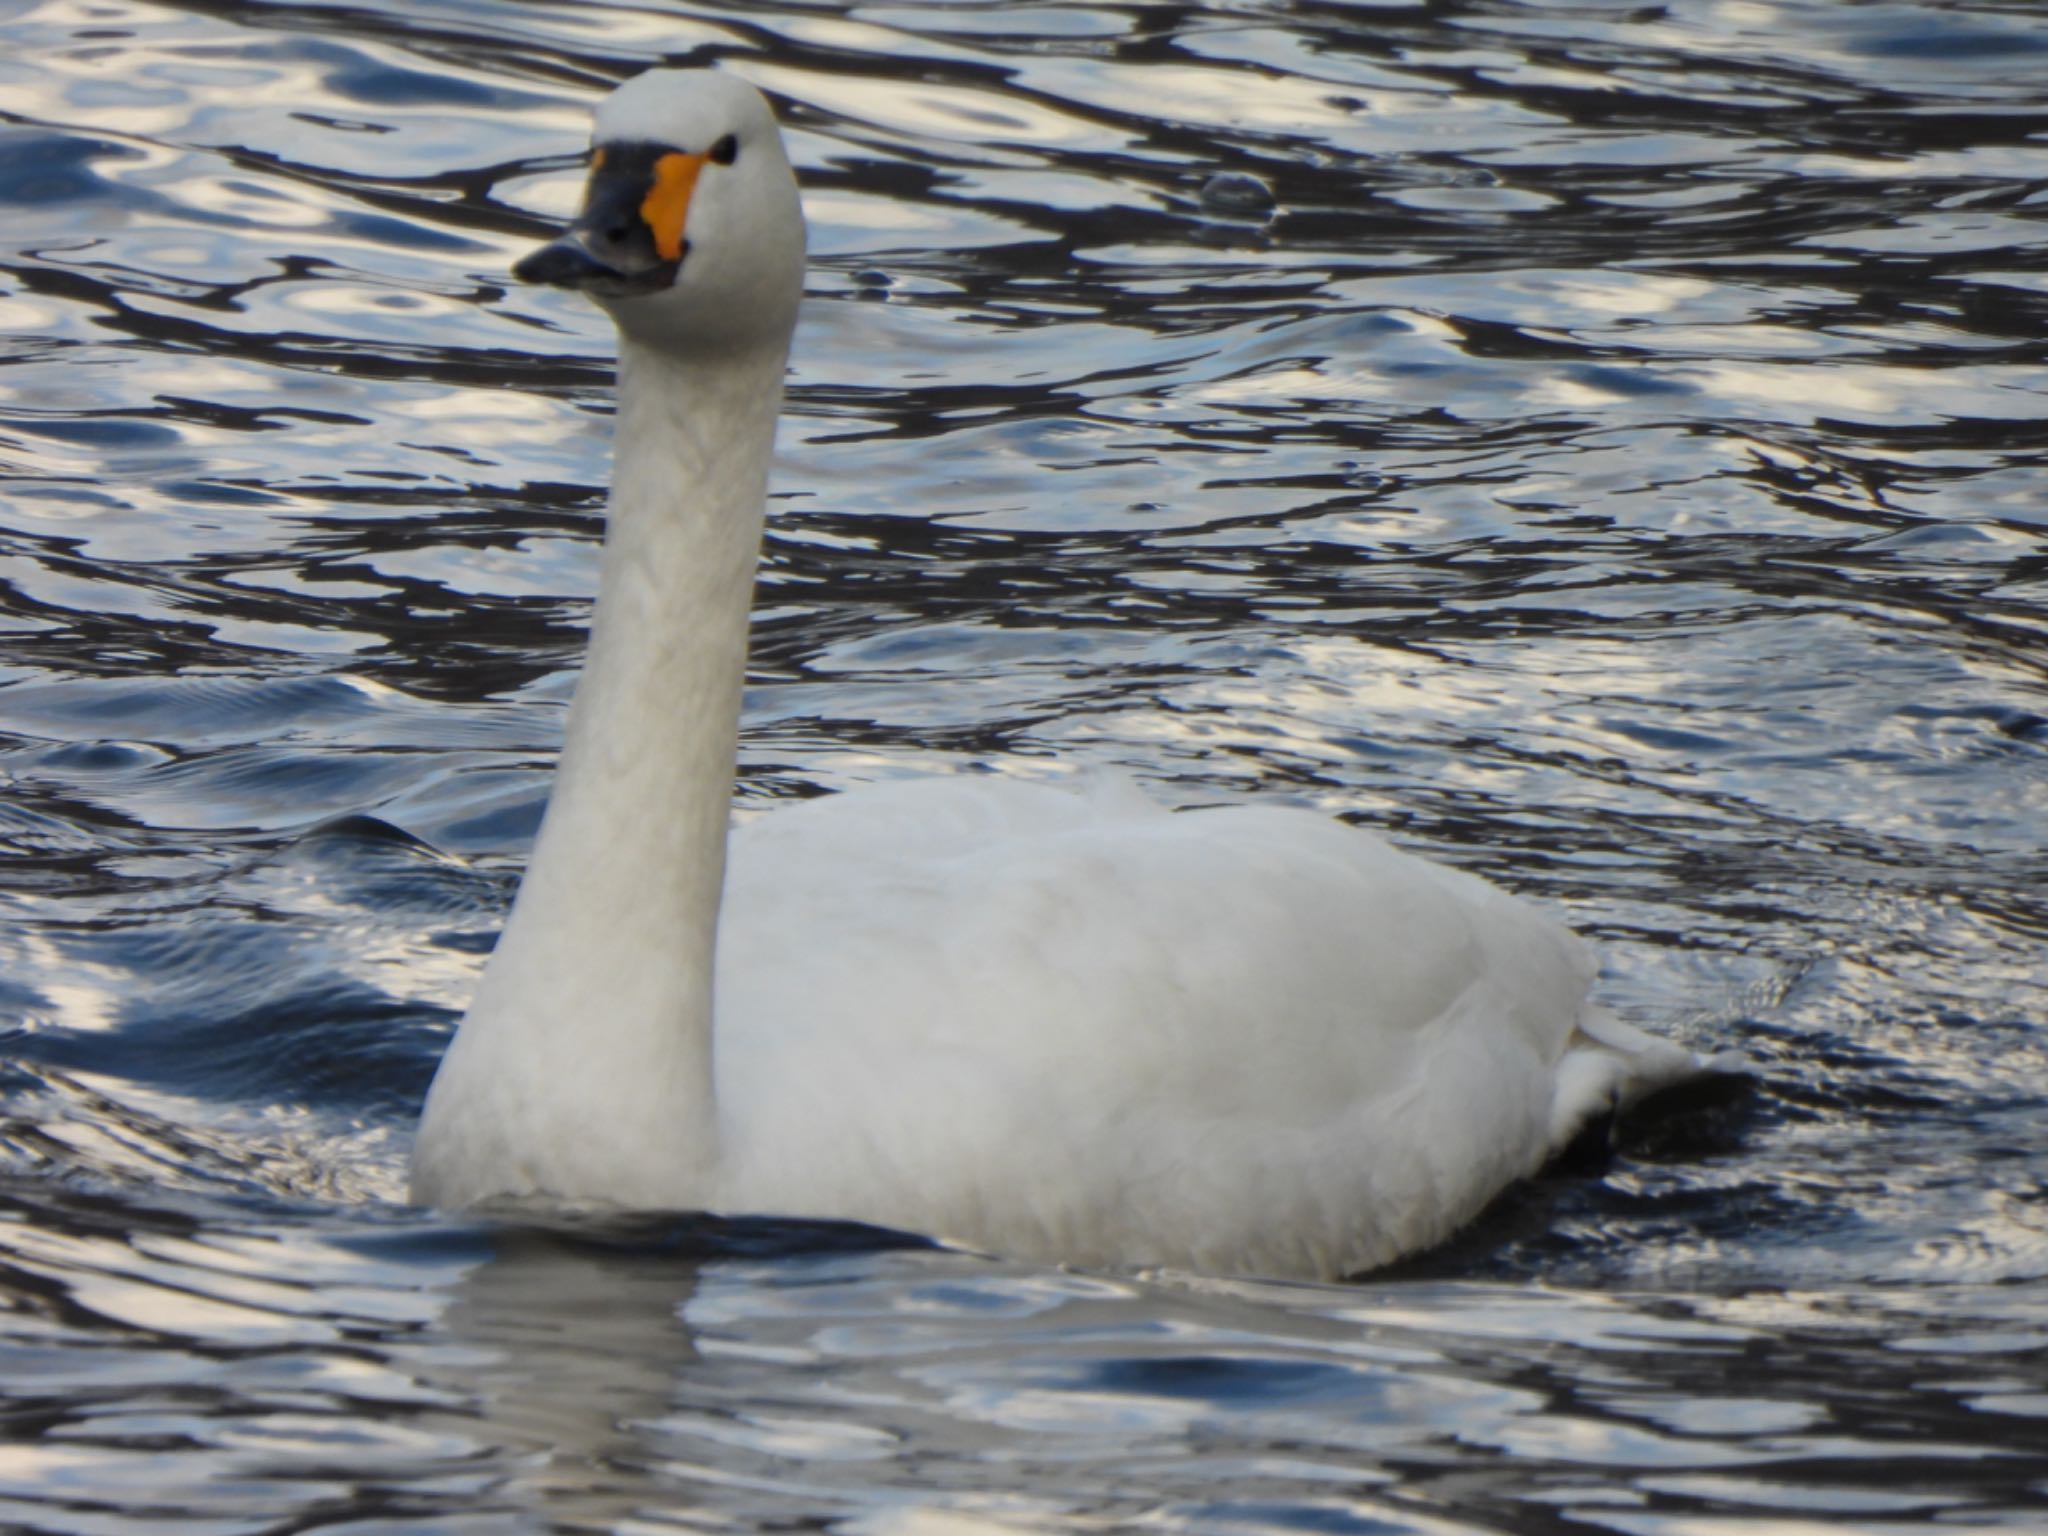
(1601, 447)
(395, 1371)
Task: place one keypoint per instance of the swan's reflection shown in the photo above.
(557, 1349)
(560, 1355)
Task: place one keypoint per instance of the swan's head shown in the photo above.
(691, 233)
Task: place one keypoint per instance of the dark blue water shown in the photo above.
(1601, 445)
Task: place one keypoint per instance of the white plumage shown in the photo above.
(1065, 1024)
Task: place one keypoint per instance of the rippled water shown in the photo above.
(1614, 462)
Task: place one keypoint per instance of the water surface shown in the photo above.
(1600, 446)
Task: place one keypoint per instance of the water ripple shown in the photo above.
(1603, 450)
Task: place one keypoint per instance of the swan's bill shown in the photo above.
(629, 239)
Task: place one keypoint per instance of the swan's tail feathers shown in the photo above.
(1610, 1068)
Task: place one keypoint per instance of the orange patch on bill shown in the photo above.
(667, 203)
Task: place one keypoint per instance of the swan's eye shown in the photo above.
(725, 151)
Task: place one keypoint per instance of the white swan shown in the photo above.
(1059, 1025)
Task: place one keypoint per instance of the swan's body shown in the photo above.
(1062, 1024)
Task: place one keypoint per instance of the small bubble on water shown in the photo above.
(1236, 195)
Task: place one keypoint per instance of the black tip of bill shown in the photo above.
(563, 263)
(568, 263)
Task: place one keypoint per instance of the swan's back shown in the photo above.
(1080, 1025)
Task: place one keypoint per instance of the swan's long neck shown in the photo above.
(595, 1011)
